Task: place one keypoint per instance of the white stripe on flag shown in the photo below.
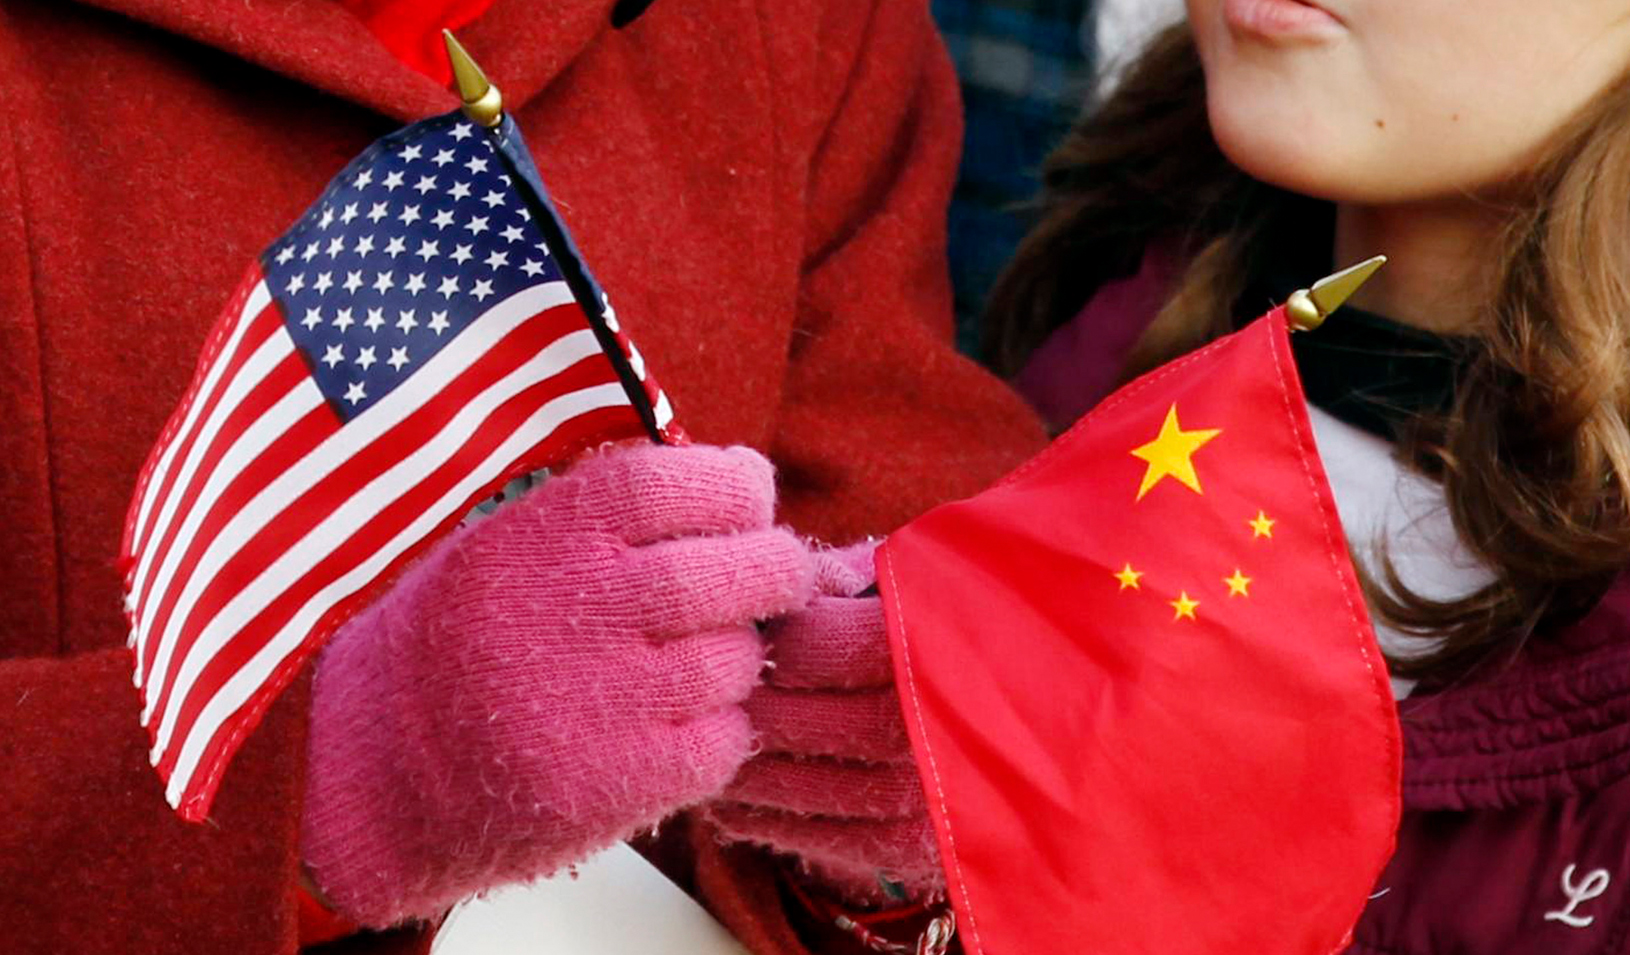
(268, 356)
(257, 300)
(363, 506)
(267, 428)
(445, 366)
(243, 684)
(430, 380)
(249, 445)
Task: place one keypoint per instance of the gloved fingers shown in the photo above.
(651, 492)
(864, 725)
(692, 675)
(903, 850)
(853, 790)
(836, 643)
(687, 763)
(845, 571)
(694, 584)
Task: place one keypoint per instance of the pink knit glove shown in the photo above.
(546, 681)
(834, 783)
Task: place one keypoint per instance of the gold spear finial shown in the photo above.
(482, 101)
(1309, 308)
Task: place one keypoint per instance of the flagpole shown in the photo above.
(483, 105)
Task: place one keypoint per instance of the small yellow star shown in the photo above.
(1129, 577)
(1184, 606)
(1262, 526)
(1238, 585)
(1170, 454)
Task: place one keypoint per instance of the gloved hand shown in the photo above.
(546, 681)
(834, 783)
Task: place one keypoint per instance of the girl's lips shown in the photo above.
(1279, 19)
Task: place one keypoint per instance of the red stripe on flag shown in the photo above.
(579, 434)
(282, 379)
(313, 506)
(261, 328)
(220, 332)
(303, 435)
(370, 538)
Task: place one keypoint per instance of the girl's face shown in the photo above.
(1386, 101)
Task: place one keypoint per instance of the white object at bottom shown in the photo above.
(617, 904)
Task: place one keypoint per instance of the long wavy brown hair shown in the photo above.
(1535, 453)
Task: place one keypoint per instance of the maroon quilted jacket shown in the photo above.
(1516, 828)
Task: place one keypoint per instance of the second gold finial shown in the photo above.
(1309, 308)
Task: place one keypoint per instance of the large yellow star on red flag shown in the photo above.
(1170, 454)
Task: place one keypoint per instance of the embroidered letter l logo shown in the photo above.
(1594, 884)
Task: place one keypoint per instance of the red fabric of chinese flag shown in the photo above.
(1141, 684)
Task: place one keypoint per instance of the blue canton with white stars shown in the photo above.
(415, 240)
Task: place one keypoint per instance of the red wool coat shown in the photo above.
(760, 184)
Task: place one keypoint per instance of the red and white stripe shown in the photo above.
(262, 520)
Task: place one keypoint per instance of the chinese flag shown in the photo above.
(1141, 685)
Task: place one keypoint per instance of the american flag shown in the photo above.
(423, 335)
